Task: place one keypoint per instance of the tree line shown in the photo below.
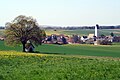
(81, 27)
(75, 27)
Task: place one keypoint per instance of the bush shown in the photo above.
(105, 42)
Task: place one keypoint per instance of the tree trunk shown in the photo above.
(23, 47)
(23, 41)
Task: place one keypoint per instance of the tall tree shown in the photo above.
(22, 29)
(112, 34)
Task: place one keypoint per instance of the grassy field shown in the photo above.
(86, 32)
(80, 32)
(89, 50)
(28, 66)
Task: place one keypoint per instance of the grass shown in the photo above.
(83, 32)
(27, 66)
(3, 47)
(89, 50)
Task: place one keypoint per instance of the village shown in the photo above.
(94, 39)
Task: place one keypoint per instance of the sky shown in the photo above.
(63, 12)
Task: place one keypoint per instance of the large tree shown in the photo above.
(21, 30)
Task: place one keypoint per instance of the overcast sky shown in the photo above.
(63, 12)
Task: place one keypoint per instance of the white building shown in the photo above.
(96, 30)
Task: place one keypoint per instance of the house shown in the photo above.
(29, 47)
(90, 36)
(116, 39)
(55, 39)
(1, 38)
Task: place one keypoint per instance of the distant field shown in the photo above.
(89, 50)
(27, 66)
(80, 32)
(84, 32)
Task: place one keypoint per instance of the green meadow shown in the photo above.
(30, 66)
(81, 32)
(72, 49)
(84, 32)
